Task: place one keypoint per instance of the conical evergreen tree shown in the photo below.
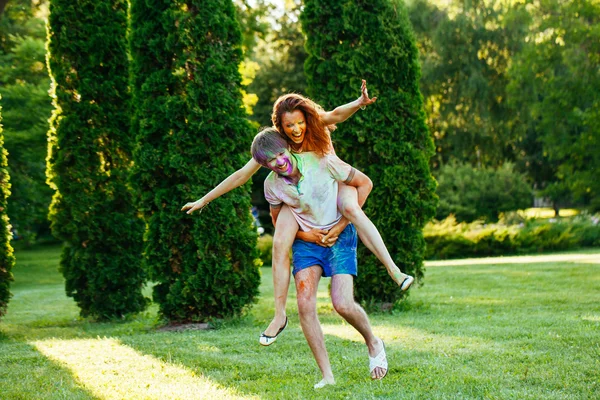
(390, 142)
(191, 134)
(89, 157)
(7, 259)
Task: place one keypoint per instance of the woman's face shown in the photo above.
(294, 125)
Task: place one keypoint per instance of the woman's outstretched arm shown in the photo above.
(342, 113)
(238, 178)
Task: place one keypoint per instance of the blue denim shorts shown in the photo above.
(335, 260)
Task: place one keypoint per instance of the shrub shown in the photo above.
(470, 193)
(7, 259)
(265, 246)
(350, 40)
(191, 132)
(587, 230)
(89, 157)
(449, 239)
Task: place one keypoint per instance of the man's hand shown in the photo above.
(313, 236)
(364, 99)
(196, 205)
(333, 234)
(332, 237)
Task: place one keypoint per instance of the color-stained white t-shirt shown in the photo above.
(313, 201)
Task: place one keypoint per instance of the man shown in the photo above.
(308, 184)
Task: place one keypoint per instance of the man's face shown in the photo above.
(294, 125)
(281, 162)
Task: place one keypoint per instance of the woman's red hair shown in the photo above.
(316, 136)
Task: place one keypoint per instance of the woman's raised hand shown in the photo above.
(364, 99)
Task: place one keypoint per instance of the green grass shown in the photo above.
(505, 328)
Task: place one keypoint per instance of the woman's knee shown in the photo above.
(351, 210)
(282, 244)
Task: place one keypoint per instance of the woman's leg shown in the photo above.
(285, 233)
(368, 233)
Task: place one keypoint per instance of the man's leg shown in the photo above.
(369, 235)
(342, 296)
(307, 281)
(285, 233)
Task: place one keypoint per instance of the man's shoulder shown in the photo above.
(271, 178)
(313, 160)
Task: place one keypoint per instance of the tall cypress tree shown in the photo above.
(90, 149)
(390, 142)
(191, 134)
(7, 259)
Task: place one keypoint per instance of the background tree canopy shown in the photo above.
(503, 82)
(24, 85)
(496, 76)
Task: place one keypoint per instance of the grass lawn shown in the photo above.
(504, 328)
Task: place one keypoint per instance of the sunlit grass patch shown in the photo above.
(111, 370)
(591, 318)
(547, 212)
(589, 261)
(546, 258)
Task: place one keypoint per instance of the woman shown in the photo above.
(307, 128)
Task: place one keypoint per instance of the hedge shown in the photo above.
(191, 131)
(92, 210)
(7, 260)
(390, 142)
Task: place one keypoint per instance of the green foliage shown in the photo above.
(253, 22)
(450, 239)
(554, 91)
(265, 246)
(472, 193)
(191, 134)
(7, 259)
(350, 40)
(27, 106)
(89, 157)
(280, 57)
(518, 82)
(465, 51)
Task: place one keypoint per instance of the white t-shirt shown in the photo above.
(313, 200)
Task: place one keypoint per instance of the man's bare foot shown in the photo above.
(377, 360)
(324, 382)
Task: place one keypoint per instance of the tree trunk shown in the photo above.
(2, 5)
